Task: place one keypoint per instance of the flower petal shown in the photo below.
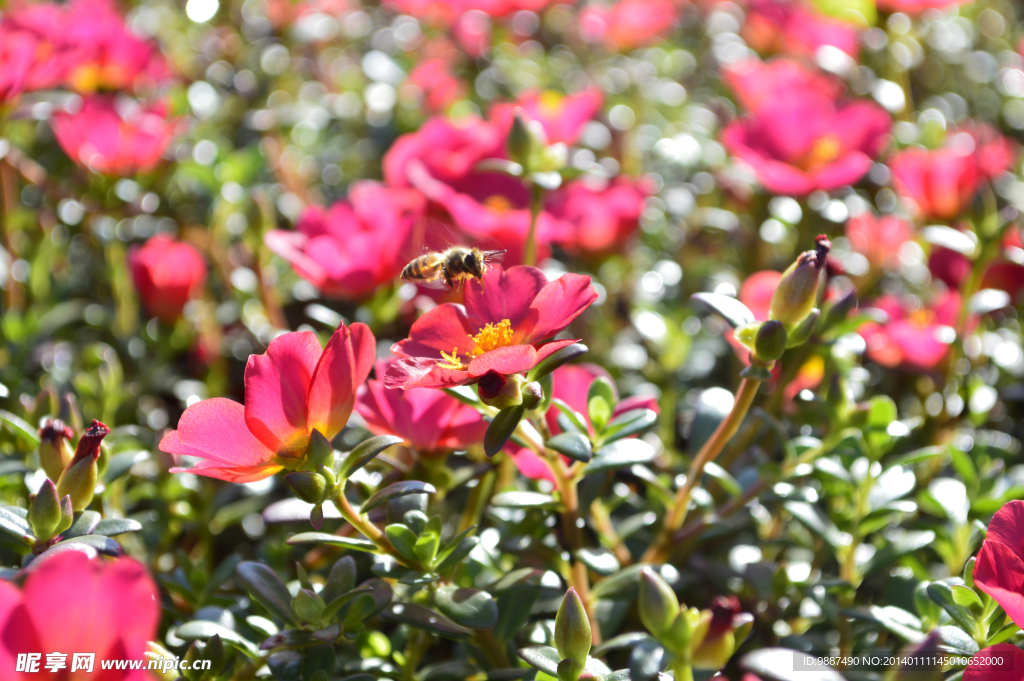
(231, 473)
(999, 572)
(443, 328)
(513, 359)
(504, 294)
(423, 372)
(556, 305)
(276, 385)
(215, 429)
(1001, 662)
(343, 367)
(529, 464)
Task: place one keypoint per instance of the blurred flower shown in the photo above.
(430, 421)
(756, 82)
(434, 81)
(351, 248)
(501, 328)
(292, 389)
(806, 142)
(1005, 272)
(999, 570)
(114, 136)
(71, 603)
(878, 239)
(941, 183)
(791, 26)
(602, 218)
(447, 12)
(914, 7)
(167, 274)
(1001, 662)
(918, 339)
(562, 117)
(628, 24)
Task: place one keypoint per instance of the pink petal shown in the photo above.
(530, 465)
(231, 473)
(215, 429)
(557, 304)
(443, 328)
(513, 359)
(1001, 662)
(505, 294)
(999, 572)
(17, 634)
(423, 372)
(343, 367)
(276, 385)
(757, 291)
(843, 171)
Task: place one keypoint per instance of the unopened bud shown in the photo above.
(684, 630)
(44, 511)
(520, 141)
(79, 478)
(308, 606)
(319, 451)
(54, 447)
(498, 390)
(533, 395)
(569, 670)
(307, 485)
(658, 604)
(193, 670)
(802, 332)
(797, 293)
(214, 652)
(573, 637)
(770, 342)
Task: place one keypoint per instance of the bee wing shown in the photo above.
(435, 283)
(440, 237)
(494, 256)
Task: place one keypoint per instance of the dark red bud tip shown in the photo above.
(89, 443)
(54, 429)
(491, 384)
(822, 246)
(723, 610)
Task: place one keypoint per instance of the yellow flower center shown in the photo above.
(498, 203)
(922, 319)
(550, 103)
(823, 151)
(451, 361)
(492, 336)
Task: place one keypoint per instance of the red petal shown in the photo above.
(557, 304)
(276, 387)
(513, 359)
(443, 328)
(505, 294)
(423, 372)
(215, 429)
(343, 367)
(1001, 662)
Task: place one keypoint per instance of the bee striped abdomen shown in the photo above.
(424, 268)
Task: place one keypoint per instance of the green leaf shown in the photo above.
(573, 445)
(501, 428)
(555, 360)
(85, 524)
(403, 539)
(467, 607)
(333, 540)
(421, 617)
(601, 561)
(14, 525)
(601, 401)
(464, 394)
(575, 418)
(19, 427)
(455, 554)
(105, 545)
(942, 593)
(544, 658)
(265, 587)
(898, 621)
(621, 454)
(735, 313)
(722, 477)
(426, 546)
(204, 630)
(365, 452)
(881, 412)
(111, 527)
(632, 422)
(967, 598)
(336, 604)
(517, 499)
(393, 491)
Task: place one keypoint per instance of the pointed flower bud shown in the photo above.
(533, 395)
(44, 511)
(320, 450)
(569, 670)
(797, 293)
(498, 390)
(520, 141)
(573, 637)
(770, 342)
(658, 604)
(54, 447)
(307, 485)
(79, 478)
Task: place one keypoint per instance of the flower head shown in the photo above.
(756, 83)
(167, 274)
(878, 238)
(503, 327)
(628, 24)
(292, 389)
(793, 27)
(602, 215)
(351, 248)
(999, 570)
(430, 421)
(918, 339)
(70, 603)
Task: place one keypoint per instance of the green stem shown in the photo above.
(726, 429)
(369, 530)
(681, 670)
(536, 204)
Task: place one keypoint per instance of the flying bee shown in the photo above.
(452, 267)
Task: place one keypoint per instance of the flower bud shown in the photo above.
(498, 390)
(797, 293)
(569, 670)
(319, 452)
(573, 637)
(520, 141)
(308, 606)
(658, 604)
(54, 447)
(719, 642)
(802, 331)
(770, 342)
(44, 514)
(533, 395)
(307, 485)
(79, 478)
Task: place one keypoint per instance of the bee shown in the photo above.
(452, 267)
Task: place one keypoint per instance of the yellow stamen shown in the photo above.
(451, 361)
(550, 102)
(498, 203)
(823, 152)
(493, 336)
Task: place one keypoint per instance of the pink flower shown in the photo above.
(167, 274)
(292, 389)
(20, 66)
(430, 421)
(114, 137)
(914, 7)
(562, 117)
(354, 246)
(1001, 662)
(756, 82)
(446, 12)
(502, 328)
(71, 604)
(790, 26)
(878, 239)
(628, 24)
(999, 570)
(437, 87)
(602, 218)
(806, 142)
(914, 339)
(571, 384)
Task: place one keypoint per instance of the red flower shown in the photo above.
(915, 7)
(561, 116)
(167, 274)
(916, 339)
(601, 218)
(1001, 662)
(438, 88)
(446, 12)
(502, 328)
(430, 421)
(71, 604)
(113, 136)
(806, 142)
(628, 24)
(878, 239)
(999, 570)
(792, 27)
(354, 246)
(756, 82)
(292, 389)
